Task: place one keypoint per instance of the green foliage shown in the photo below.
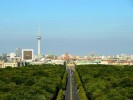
(81, 92)
(77, 79)
(107, 82)
(63, 87)
(38, 82)
(60, 95)
(64, 81)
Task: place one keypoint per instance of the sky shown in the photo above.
(78, 27)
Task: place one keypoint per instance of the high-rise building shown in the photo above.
(27, 55)
(18, 52)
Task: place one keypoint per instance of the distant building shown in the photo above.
(18, 52)
(66, 57)
(11, 57)
(27, 55)
(4, 57)
(8, 64)
(1, 64)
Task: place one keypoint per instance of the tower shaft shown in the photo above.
(39, 50)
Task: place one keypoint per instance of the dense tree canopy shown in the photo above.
(38, 82)
(106, 82)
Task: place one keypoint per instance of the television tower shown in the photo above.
(39, 38)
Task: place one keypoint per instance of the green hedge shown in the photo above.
(64, 81)
(63, 87)
(60, 95)
(81, 92)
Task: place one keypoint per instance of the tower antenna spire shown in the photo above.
(39, 28)
(39, 38)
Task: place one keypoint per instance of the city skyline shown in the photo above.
(76, 27)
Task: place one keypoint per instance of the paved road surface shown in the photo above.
(71, 89)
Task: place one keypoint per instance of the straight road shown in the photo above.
(71, 89)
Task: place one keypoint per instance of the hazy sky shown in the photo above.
(74, 26)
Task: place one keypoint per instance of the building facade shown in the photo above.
(8, 64)
(18, 52)
(27, 55)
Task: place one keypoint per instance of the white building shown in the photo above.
(8, 64)
(11, 56)
(58, 62)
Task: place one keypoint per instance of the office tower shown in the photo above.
(18, 52)
(27, 54)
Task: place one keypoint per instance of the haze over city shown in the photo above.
(66, 50)
(74, 26)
